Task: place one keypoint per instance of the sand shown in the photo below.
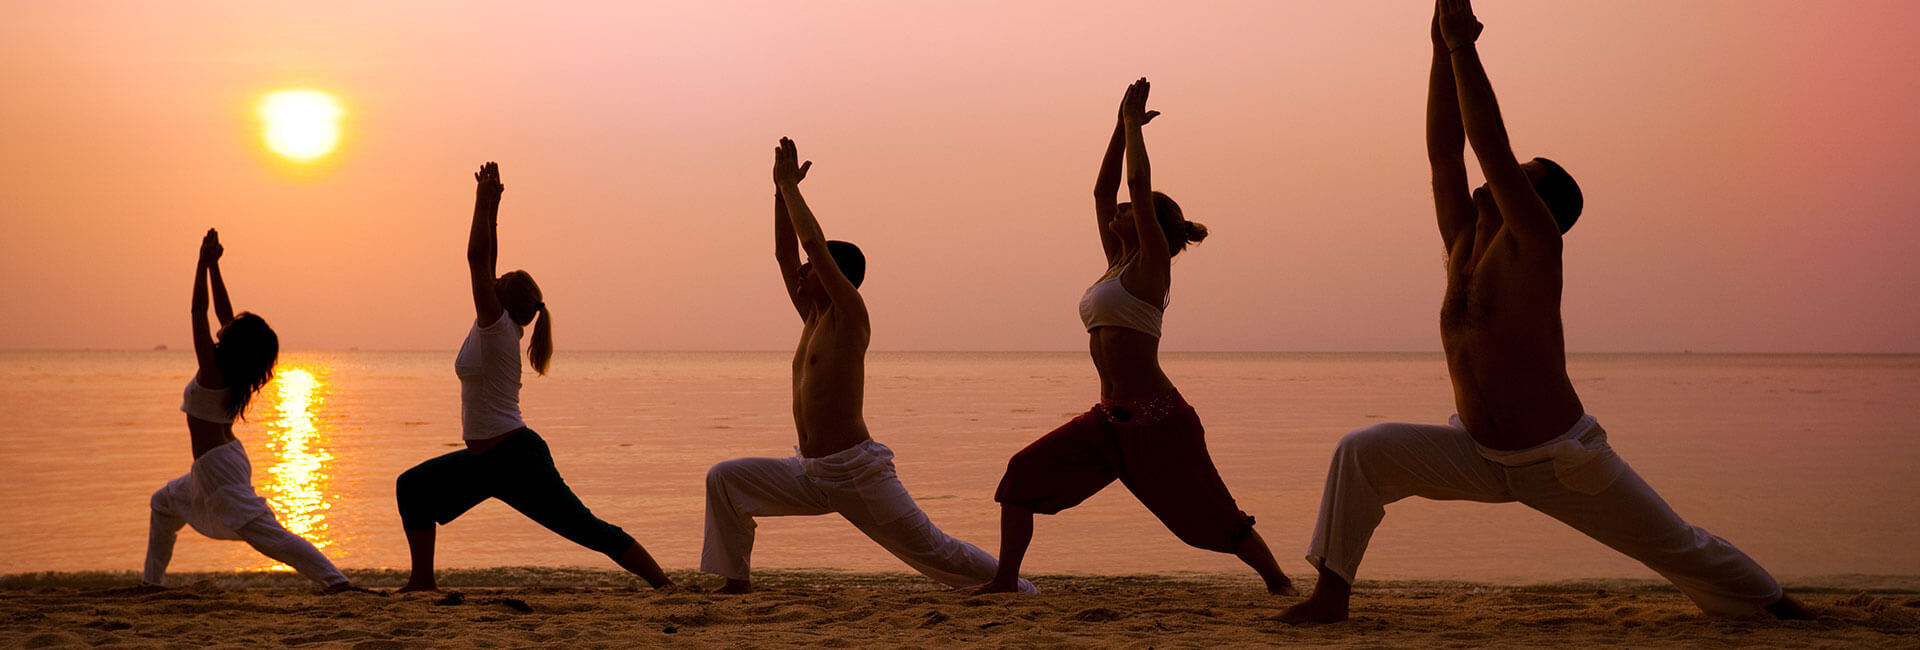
(605, 609)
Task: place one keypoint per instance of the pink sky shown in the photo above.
(1748, 167)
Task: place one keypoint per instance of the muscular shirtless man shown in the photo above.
(1521, 433)
(840, 468)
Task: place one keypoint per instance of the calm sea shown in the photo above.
(1808, 463)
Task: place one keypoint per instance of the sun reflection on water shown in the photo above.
(297, 443)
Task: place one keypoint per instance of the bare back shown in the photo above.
(1506, 349)
(829, 379)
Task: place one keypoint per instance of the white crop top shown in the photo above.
(208, 404)
(489, 369)
(1108, 304)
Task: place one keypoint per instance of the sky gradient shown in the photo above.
(1748, 167)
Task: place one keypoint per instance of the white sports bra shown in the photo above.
(208, 404)
(1108, 304)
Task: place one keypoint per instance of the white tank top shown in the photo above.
(1108, 304)
(489, 369)
(208, 404)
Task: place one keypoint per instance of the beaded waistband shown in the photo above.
(1146, 410)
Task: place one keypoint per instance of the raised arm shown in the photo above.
(1106, 192)
(222, 307)
(1106, 188)
(1445, 144)
(1151, 267)
(483, 246)
(840, 291)
(209, 373)
(1526, 216)
(786, 246)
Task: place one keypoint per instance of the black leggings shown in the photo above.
(520, 472)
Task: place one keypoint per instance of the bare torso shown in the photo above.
(829, 379)
(1128, 360)
(206, 435)
(1506, 349)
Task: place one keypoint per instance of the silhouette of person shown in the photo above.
(839, 467)
(504, 459)
(1521, 433)
(216, 496)
(1142, 432)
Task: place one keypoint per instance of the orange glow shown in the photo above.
(1746, 166)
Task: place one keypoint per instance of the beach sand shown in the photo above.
(517, 607)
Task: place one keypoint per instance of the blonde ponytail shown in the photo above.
(540, 351)
(520, 296)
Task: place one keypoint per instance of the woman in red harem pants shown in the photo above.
(1142, 432)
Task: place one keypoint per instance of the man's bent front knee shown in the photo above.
(1364, 442)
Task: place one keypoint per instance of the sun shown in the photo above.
(300, 124)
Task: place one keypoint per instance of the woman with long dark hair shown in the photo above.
(216, 496)
(1142, 432)
(504, 459)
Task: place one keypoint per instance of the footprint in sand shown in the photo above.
(1096, 615)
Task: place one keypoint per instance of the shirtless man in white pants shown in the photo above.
(1521, 434)
(840, 468)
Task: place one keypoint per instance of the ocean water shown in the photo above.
(1806, 462)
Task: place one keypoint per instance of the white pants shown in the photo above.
(1576, 478)
(858, 483)
(216, 497)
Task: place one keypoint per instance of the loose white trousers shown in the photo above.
(1576, 478)
(216, 497)
(859, 484)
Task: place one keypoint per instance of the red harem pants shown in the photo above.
(1156, 448)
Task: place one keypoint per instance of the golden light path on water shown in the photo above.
(297, 487)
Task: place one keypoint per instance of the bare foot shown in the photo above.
(735, 587)
(412, 586)
(1788, 609)
(1328, 604)
(998, 587)
(345, 587)
(1283, 588)
(1320, 608)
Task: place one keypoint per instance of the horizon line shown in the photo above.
(1683, 352)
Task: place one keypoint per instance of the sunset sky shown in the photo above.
(1749, 167)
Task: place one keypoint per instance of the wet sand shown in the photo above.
(516, 607)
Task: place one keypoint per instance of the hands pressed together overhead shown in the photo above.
(488, 180)
(787, 167)
(1133, 107)
(1454, 25)
(210, 249)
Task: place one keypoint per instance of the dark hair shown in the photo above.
(851, 261)
(520, 296)
(246, 353)
(1562, 196)
(1174, 224)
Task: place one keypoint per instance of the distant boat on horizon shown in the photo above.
(160, 348)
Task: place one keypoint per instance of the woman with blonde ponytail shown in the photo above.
(1142, 432)
(504, 459)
